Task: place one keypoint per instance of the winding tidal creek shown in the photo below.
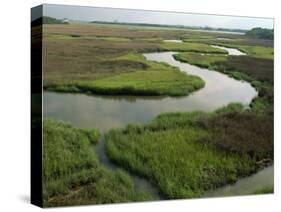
(106, 112)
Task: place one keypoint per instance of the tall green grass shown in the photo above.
(72, 174)
(184, 153)
(264, 190)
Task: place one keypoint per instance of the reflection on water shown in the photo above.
(105, 112)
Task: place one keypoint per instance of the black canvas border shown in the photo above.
(36, 189)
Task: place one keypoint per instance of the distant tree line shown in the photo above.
(168, 25)
(261, 33)
(47, 20)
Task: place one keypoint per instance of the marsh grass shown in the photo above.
(201, 60)
(72, 174)
(186, 154)
(257, 51)
(265, 190)
(265, 52)
(241, 132)
(229, 40)
(145, 78)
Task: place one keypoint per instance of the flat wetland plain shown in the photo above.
(183, 154)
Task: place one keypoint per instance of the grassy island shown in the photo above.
(142, 77)
(185, 154)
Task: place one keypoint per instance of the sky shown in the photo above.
(153, 17)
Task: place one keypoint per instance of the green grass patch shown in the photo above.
(145, 78)
(253, 51)
(258, 51)
(265, 190)
(191, 47)
(204, 61)
(71, 173)
(155, 40)
(116, 39)
(184, 153)
(59, 37)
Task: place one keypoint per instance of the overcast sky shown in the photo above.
(141, 16)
